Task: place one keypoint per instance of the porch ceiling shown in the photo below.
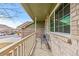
(39, 10)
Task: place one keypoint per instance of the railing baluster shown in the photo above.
(24, 48)
(15, 51)
(19, 48)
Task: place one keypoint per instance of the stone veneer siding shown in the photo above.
(59, 43)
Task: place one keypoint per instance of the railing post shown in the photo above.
(35, 27)
(20, 48)
(54, 21)
(24, 48)
(35, 24)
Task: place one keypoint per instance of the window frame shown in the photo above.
(54, 13)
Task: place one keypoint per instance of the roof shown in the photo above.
(24, 25)
(39, 10)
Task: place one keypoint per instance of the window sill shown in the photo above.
(63, 36)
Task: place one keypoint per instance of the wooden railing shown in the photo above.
(22, 47)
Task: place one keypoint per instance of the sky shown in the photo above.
(13, 15)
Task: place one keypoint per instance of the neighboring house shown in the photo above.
(5, 30)
(25, 29)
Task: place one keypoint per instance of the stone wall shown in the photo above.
(60, 46)
(74, 12)
(59, 43)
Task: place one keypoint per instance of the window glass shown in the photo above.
(62, 19)
(52, 23)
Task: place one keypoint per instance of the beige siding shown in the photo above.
(31, 28)
(40, 29)
(28, 30)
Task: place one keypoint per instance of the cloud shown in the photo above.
(7, 22)
(22, 16)
(12, 22)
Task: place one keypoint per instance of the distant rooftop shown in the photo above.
(24, 24)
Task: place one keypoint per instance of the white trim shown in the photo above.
(13, 45)
(33, 48)
(67, 35)
(62, 36)
(58, 4)
(54, 21)
(53, 12)
(35, 23)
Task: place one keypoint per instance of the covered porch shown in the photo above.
(32, 44)
(39, 13)
(45, 37)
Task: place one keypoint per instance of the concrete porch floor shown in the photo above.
(41, 49)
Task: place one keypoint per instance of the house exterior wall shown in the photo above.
(59, 43)
(75, 25)
(31, 28)
(47, 25)
(26, 31)
(40, 29)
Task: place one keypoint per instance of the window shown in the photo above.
(62, 19)
(52, 22)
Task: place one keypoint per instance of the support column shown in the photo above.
(35, 23)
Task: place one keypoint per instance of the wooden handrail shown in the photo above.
(14, 45)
